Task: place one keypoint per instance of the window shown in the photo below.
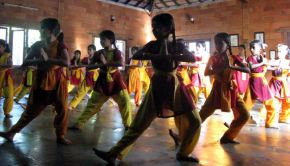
(97, 43)
(3, 33)
(19, 40)
(201, 48)
(33, 36)
(17, 47)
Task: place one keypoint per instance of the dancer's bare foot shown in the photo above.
(105, 156)
(252, 121)
(175, 137)
(272, 127)
(63, 141)
(225, 140)
(74, 127)
(180, 157)
(8, 136)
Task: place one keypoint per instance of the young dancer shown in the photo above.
(278, 83)
(165, 97)
(76, 73)
(109, 83)
(224, 94)
(258, 88)
(88, 82)
(241, 78)
(50, 84)
(6, 82)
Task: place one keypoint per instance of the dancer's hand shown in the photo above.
(43, 54)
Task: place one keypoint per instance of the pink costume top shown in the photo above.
(241, 78)
(258, 85)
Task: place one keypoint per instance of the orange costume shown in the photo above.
(281, 91)
(49, 87)
(258, 89)
(224, 96)
(6, 84)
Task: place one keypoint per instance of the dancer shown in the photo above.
(50, 84)
(258, 88)
(224, 94)
(6, 82)
(76, 73)
(278, 83)
(109, 83)
(165, 97)
(88, 83)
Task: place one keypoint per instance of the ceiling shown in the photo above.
(160, 5)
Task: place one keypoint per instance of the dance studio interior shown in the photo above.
(145, 82)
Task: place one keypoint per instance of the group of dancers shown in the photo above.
(168, 73)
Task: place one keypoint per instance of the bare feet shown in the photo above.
(252, 121)
(63, 141)
(175, 137)
(105, 156)
(74, 127)
(225, 140)
(180, 157)
(272, 127)
(8, 136)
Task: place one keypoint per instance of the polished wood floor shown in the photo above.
(35, 144)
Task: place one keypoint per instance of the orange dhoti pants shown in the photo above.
(41, 99)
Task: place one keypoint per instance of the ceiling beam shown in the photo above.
(177, 4)
(127, 2)
(139, 2)
(164, 3)
(147, 4)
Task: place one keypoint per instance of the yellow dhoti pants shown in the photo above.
(188, 124)
(70, 87)
(284, 116)
(81, 93)
(96, 102)
(241, 116)
(269, 108)
(8, 95)
(23, 91)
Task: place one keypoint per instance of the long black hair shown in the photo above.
(109, 35)
(226, 38)
(244, 47)
(6, 45)
(75, 59)
(52, 24)
(166, 20)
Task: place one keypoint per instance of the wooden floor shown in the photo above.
(35, 144)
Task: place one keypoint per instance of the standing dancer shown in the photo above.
(165, 97)
(88, 82)
(258, 88)
(224, 94)
(50, 84)
(6, 82)
(241, 78)
(76, 73)
(109, 83)
(278, 84)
